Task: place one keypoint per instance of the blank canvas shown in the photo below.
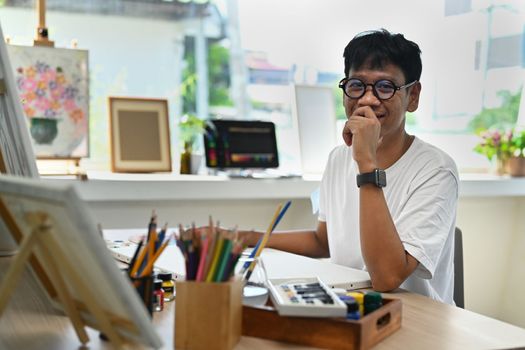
(314, 115)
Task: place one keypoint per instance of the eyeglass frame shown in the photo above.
(344, 81)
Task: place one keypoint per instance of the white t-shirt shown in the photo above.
(421, 194)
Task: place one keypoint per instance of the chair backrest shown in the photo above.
(459, 297)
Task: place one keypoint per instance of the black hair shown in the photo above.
(377, 48)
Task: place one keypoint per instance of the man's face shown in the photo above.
(391, 112)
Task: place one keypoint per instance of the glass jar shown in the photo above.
(167, 285)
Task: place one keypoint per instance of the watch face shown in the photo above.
(381, 178)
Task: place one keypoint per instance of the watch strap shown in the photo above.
(376, 177)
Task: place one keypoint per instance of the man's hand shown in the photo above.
(249, 238)
(362, 130)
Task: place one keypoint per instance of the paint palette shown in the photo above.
(305, 297)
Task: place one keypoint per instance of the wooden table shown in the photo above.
(29, 322)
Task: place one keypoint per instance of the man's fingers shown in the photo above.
(365, 112)
(347, 137)
(347, 134)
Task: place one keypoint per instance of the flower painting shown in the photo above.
(53, 85)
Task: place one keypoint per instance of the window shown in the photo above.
(251, 51)
(472, 55)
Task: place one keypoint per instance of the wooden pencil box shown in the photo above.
(208, 315)
(331, 333)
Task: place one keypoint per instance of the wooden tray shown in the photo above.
(332, 333)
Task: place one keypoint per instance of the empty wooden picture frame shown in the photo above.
(139, 135)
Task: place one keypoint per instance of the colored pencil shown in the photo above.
(266, 237)
(215, 260)
(135, 256)
(149, 267)
(139, 262)
(223, 261)
(209, 257)
(202, 259)
(260, 244)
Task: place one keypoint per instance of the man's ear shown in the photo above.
(413, 101)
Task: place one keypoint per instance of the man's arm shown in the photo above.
(383, 253)
(312, 243)
(385, 257)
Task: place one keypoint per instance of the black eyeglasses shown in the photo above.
(382, 89)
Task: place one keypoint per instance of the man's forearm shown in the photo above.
(381, 247)
(297, 242)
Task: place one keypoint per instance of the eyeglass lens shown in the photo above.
(383, 89)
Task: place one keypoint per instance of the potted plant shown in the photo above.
(190, 127)
(517, 159)
(496, 145)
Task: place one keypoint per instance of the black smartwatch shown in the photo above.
(376, 177)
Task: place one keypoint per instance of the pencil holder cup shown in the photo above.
(208, 315)
(144, 288)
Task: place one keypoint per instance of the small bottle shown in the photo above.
(168, 286)
(372, 301)
(158, 296)
(352, 309)
(359, 298)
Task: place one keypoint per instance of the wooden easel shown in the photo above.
(40, 241)
(42, 39)
(42, 35)
(60, 167)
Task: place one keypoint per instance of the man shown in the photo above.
(387, 199)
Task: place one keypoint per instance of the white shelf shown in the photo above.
(106, 187)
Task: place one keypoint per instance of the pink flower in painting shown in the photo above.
(47, 93)
(57, 93)
(49, 75)
(42, 104)
(27, 84)
(69, 105)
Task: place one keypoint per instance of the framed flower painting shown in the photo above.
(53, 85)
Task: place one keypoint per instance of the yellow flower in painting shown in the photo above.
(30, 72)
(41, 85)
(60, 79)
(55, 105)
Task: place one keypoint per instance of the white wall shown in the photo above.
(513, 304)
(491, 246)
